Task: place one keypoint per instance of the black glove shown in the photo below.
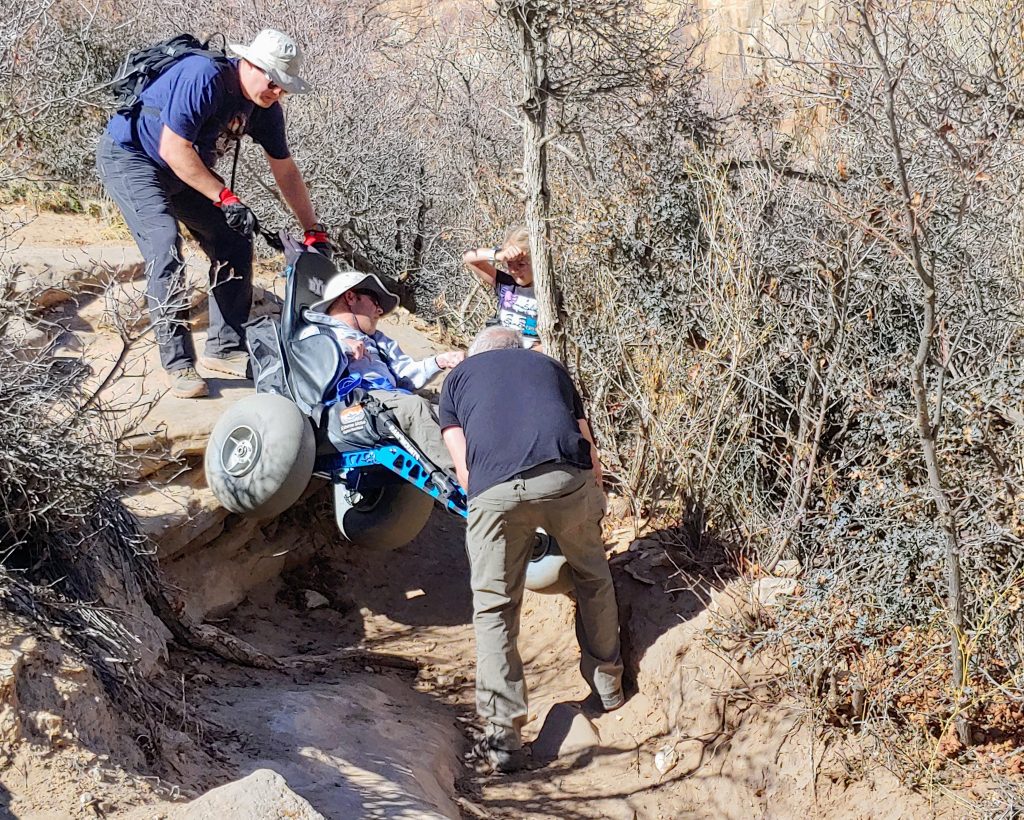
(236, 213)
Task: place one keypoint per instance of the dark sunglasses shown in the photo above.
(373, 297)
(273, 86)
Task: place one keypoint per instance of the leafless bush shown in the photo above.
(870, 423)
(72, 561)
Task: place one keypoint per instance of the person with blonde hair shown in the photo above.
(513, 286)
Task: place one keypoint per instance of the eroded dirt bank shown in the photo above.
(375, 711)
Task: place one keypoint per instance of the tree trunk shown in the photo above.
(533, 35)
(927, 432)
(927, 428)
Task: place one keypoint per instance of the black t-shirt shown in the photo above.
(519, 409)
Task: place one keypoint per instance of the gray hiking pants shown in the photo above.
(152, 201)
(418, 420)
(569, 505)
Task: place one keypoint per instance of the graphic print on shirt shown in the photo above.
(517, 306)
(231, 133)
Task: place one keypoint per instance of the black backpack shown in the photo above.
(141, 67)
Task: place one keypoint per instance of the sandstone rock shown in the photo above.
(123, 305)
(179, 514)
(263, 795)
(28, 338)
(181, 427)
(54, 275)
(218, 576)
(566, 731)
(339, 746)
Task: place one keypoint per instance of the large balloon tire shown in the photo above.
(260, 455)
(548, 572)
(383, 519)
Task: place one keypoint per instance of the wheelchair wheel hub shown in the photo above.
(241, 451)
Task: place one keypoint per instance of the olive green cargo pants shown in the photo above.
(568, 504)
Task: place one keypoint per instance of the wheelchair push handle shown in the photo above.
(281, 241)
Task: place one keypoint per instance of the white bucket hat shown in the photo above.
(277, 54)
(354, 280)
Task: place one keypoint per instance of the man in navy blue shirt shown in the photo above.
(157, 165)
(514, 424)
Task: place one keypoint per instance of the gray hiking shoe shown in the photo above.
(187, 383)
(234, 364)
(504, 761)
(594, 704)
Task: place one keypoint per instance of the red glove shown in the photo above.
(226, 197)
(317, 235)
(317, 239)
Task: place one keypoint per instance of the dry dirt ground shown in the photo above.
(376, 709)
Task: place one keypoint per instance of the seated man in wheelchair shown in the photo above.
(349, 311)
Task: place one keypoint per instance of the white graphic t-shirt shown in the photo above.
(517, 305)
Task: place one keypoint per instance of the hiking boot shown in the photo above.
(595, 704)
(500, 760)
(187, 383)
(234, 364)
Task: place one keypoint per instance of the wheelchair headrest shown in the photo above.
(308, 273)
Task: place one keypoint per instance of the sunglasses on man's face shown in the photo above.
(273, 86)
(369, 294)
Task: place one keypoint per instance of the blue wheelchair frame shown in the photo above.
(355, 467)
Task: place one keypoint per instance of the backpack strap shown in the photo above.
(147, 65)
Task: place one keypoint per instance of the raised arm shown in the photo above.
(481, 262)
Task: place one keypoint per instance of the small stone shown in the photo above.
(788, 568)
(769, 591)
(313, 599)
(264, 793)
(86, 799)
(665, 760)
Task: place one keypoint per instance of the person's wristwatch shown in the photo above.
(492, 255)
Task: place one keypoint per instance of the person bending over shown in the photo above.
(157, 164)
(514, 424)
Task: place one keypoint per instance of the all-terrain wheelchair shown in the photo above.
(264, 450)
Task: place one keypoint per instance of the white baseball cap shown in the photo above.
(277, 54)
